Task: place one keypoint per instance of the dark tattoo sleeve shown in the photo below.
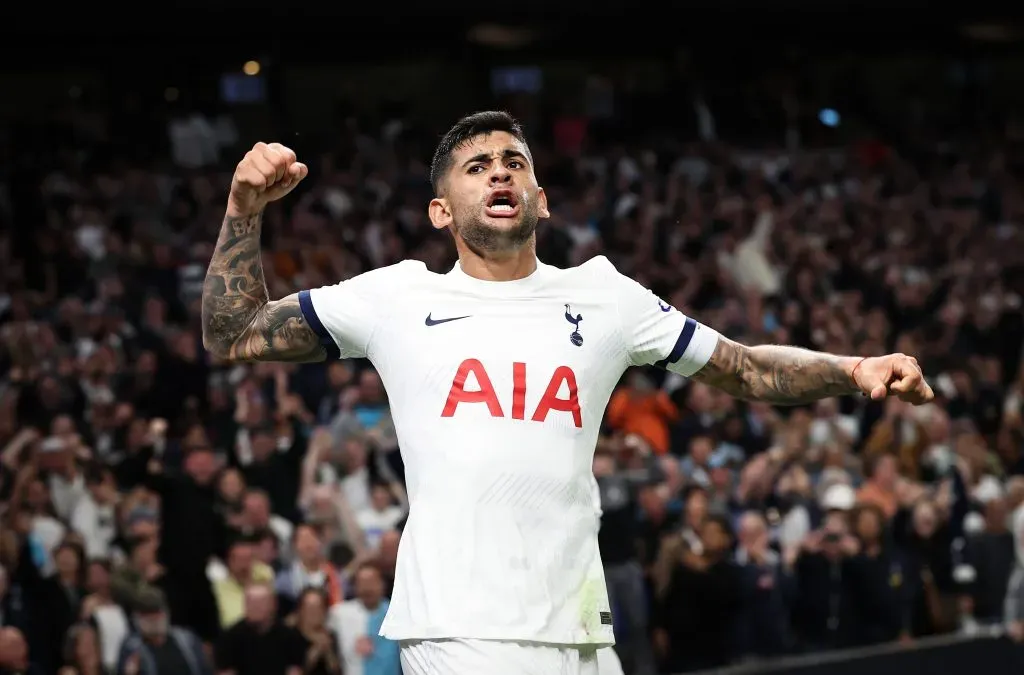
(240, 322)
(777, 375)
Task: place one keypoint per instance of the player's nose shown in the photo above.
(500, 175)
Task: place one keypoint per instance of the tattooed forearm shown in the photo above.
(240, 322)
(778, 375)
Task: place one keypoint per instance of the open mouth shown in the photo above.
(502, 204)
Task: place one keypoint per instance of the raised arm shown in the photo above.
(240, 321)
(794, 376)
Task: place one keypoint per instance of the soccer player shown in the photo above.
(498, 374)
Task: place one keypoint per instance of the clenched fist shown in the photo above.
(267, 173)
(896, 374)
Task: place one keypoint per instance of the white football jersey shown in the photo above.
(497, 390)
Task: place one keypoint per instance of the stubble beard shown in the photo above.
(483, 237)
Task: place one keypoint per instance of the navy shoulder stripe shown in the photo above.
(682, 342)
(309, 314)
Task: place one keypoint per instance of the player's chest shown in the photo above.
(550, 331)
(509, 358)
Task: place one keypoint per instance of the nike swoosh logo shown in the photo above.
(435, 322)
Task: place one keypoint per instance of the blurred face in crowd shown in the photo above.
(696, 508)
(721, 478)
(146, 364)
(699, 398)
(321, 509)
(753, 532)
(484, 168)
(672, 472)
(834, 457)
(256, 509)
(868, 525)
(138, 430)
(13, 650)
(162, 256)
(733, 428)
(369, 586)
(154, 312)
(925, 520)
(67, 561)
(185, 347)
(714, 537)
(97, 579)
(49, 392)
(794, 484)
(144, 552)
(604, 464)
(308, 546)
(267, 549)
(312, 610)
(62, 427)
(371, 390)
(355, 455)
(263, 445)
(152, 625)
(996, 514)
(380, 497)
(835, 528)
(259, 604)
(639, 383)
(240, 561)
(38, 496)
(231, 486)
(651, 502)
(885, 472)
(257, 413)
(339, 374)
(87, 645)
(196, 438)
(103, 491)
(201, 465)
(701, 448)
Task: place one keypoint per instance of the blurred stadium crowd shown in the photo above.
(163, 513)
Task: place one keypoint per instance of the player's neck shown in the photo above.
(511, 267)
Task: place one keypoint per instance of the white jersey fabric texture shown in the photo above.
(455, 657)
(497, 390)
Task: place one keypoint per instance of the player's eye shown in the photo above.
(515, 164)
(476, 168)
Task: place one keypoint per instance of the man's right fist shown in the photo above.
(267, 173)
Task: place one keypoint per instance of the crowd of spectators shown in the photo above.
(165, 513)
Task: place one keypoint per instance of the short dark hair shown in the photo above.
(469, 127)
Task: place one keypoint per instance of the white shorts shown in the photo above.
(491, 657)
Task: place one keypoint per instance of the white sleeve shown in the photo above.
(345, 315)
(657, 334)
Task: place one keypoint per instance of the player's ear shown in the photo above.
(542, 204)
(440, 213)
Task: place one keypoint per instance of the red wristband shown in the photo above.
(853, 373)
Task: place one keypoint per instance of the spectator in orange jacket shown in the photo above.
(639, 408)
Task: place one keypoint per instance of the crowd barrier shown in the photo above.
(991, 654)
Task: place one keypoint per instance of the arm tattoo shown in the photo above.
(777, 375)
(240, 322)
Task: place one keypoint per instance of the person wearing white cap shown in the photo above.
(838, 497)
